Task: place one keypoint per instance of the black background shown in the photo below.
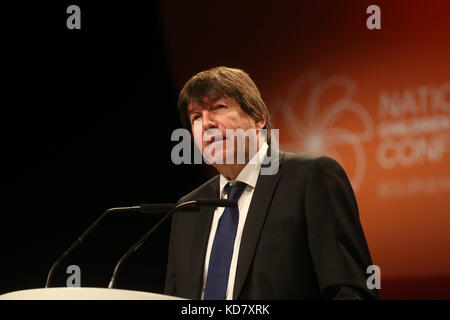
(87, 117)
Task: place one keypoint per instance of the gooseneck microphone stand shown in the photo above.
(136, 246)
(84, 235)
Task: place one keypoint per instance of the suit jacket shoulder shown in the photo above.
(200, 192)
(302, 238)
(188, 238)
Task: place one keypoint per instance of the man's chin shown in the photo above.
(217, 156)
(221, 157)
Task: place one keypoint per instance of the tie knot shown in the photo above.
(235, 191)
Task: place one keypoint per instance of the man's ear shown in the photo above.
(261, 123)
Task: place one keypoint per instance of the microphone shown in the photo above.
(81, 238)
(151, 208)
(143, 208)
(191, 206)
(137, 245)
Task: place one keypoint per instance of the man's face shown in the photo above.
(210, 120)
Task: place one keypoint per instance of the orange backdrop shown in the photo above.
(378, 101)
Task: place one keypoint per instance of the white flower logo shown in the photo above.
(312, 123)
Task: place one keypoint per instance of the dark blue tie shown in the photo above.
(223, 245)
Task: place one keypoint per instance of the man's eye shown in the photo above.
(221, 106)
(195, 118)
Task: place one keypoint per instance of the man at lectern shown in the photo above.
(295, 233)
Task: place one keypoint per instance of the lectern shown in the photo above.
(84, 294)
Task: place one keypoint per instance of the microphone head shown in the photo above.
(165, 207)
(188, 206)
(217, 202)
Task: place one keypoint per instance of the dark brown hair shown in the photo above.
(223, 82)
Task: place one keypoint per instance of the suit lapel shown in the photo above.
(201, 235)
(259, 206)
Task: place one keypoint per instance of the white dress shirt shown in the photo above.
(248, 175)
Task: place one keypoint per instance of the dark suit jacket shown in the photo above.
(302, 238)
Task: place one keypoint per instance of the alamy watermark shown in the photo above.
(373, 22)
(74, 20)
(74, 280)
(374, 280)
(235, 147)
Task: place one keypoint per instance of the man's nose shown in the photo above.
(208, 120)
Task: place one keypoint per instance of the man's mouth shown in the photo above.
(215, 139)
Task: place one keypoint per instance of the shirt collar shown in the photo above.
(250, 172)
